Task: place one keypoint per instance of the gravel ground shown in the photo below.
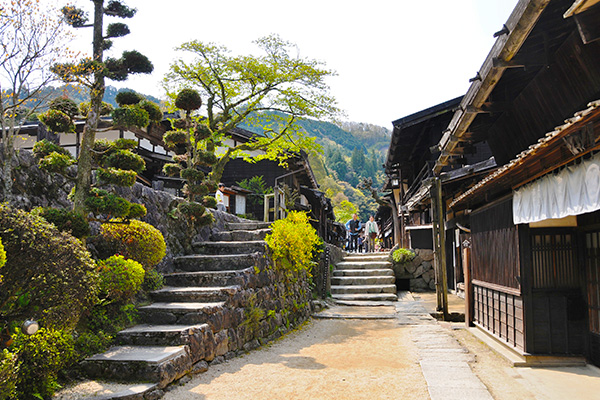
(325, 359)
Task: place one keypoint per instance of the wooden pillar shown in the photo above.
(439, 246)
(466, 260)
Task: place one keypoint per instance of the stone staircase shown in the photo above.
(364, 279)
(190, 321)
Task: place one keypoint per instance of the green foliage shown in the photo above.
(136, 240)
(293, 242)
(117, 176)
(120, 278)
(105, 108)
(9, 371)
(403, 256)
(44, 147)
(100, 202)
(124, 144)
(117, 29)
(127, 98)
(90, 343)
(108, 318)
(2, 256)
(153, 280)
(253, 316)
(128, 116)
(209, 202)
(137, 211)
(173, 138)
(152, 109)
(55, 162)
(57, 121)
(65, 220)
(192, 175)
(48, 275)
(191, 209)
(65, 105)
(344, 211)
(41, 357)
(125, 159)
(188, 100)
(172, 169)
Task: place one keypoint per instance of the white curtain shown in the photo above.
(573, 190)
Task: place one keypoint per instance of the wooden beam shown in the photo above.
(439, 246)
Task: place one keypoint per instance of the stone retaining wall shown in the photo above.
(419, 271)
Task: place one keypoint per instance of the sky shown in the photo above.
(392, 57)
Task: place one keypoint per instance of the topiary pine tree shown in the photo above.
(190, 140)
(92, 73)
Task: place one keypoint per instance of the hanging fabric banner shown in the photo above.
(573, 190)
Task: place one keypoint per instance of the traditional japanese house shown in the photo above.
(532, 257)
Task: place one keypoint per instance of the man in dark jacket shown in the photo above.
(353, 227)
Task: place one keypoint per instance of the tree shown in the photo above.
(357, 161)
(271, 92)
(344, 211)
(92, 72)
(32, 37)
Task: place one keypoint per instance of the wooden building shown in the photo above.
(533, 253)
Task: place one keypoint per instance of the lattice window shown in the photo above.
(592, 244)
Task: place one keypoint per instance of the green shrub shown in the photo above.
(153, 280)
(202, 132)
(41, 357)
(57, 121)
(137, 211)
(65, 220)
(191, 209)
(125, 144)
(100, 202)
(292, 242)
(110, 317)
(120, 278)
(115, 176)
(209, 202)
(105, 108)
(65, 105)
(9, 371)
(152, 109)
(188, 100)
(403, 256)
(90, 343)
(48, 275)
(125, 159)
(128, 97)
(45, 147)
(192, 174)
(195, 190)
(172, 138)
(171, 169)
(55, 162)
(136, 240)
(128, 116)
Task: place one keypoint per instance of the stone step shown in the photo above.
(251, 246)
(378, 297)
(100, 390)
(363, 265)
(194, 336)
(361, 289)
(194, 294)
(178, 313)
(225, 262)
(159, 364)
(362, 280)
(247, 226)
(209, 278)
(363, 272)
(241, 235)
(367, 257)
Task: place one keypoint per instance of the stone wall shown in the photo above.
(419, 271)
(33, 187)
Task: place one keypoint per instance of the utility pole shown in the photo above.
(439, 246)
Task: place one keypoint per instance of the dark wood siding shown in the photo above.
(592, 255)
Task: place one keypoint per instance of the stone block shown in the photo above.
(418, 285)
(221, 342)
(419, 271)
(425, 254)
(200, 367)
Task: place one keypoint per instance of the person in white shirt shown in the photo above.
(220, 198)
(372, 231)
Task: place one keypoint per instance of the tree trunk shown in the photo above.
(83, 181)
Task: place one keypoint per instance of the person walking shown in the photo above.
(353, 227)
(372, 231)
(220, 197)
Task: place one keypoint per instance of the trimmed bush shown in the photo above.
(9, 369)
(41, 357)
(137, 240)
(152, 109)
(125, 159)
(105, 108)
(128, 116)
(65, 105)
(100, 202)
(128, 97)
(48, 275)
(65, 220)
(192, 174)
(202, 132)
(57, 121)
(172, 138)
(191, 209)
(56, 162)
(115, 176)
(209, 202)
(171, 169)
(120, 278)
(125, 144)
(45, 147)
(153, 280)
(137, 211)
(293, 242)
(188, 100)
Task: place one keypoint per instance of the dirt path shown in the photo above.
(325, 359)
